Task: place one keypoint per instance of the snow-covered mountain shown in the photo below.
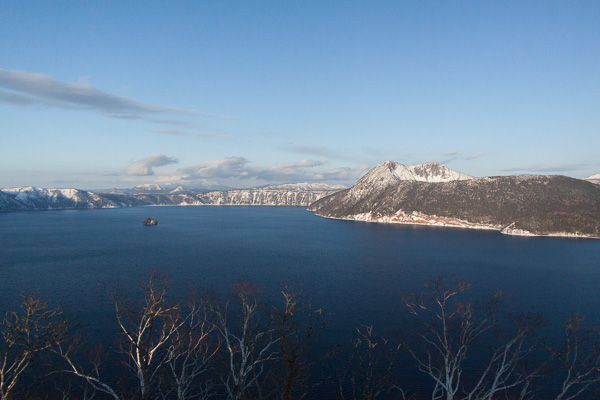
(594, 179)
(179, 189)
(304, 186)
(390, 173)
(163, 189)
(431, 194)
(431, 172)
(149, 188)
(264, 197)
(32, 198)
(144, 188)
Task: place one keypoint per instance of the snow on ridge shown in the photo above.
(431, 172)
(304, 186)
(389, 172)
(178, 189)
(593, 179)
(150, 186)
(418, 218)
(21, 189)
(30, 193)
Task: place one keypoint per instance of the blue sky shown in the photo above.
(115, 94)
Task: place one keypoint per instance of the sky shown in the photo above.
(96, 95)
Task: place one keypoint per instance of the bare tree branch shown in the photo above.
(448, 330)
(249, 340)
(25, 334)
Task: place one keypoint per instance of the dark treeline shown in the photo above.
(243, 347)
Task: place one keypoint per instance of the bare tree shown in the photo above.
(189, 353)
(449, 328)
(580, 359)
(147, 332)
(157, 337)
(369, 373)
(91, 376)
(26, 334)
(299, 328)
(249, 339)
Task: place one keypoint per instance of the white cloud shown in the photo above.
(143, 167)
(230, 167)
(26, 88)
(237, 168)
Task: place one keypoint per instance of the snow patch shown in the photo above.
(418, 218)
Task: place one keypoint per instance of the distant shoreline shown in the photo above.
(419, 219)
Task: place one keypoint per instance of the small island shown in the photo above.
(150, 222)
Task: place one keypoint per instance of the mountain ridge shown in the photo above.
(518, 204)
(424, 194)
(28, 198)
(429, 172)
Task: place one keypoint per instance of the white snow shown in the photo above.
(305, 186)
(418, 218)
(149, 186)
(432, 172)
(594, 179)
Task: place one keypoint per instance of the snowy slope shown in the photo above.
(594, 179)
(434, 195)
(390, 173)
(32, 198)
(432, 172)
(305, 186)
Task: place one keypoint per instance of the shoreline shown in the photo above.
(420, 219)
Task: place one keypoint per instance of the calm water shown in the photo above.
(355, 271)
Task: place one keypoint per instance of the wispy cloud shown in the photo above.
(174, 132)
(319, 151)
(179, 132)
(26, 88)
(209, 135)
(306, 149)
(294, 171)
(474, 156)
(305, 170)
(230, 167)
(450, 156)
(535, 168)
(239, 168)
(143, 167)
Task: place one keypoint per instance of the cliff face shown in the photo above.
(428, 194)
(31, 198)
(264, 197)
(521, 204)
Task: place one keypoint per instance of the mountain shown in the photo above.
(266, 197)
(432, 172)
(32, 198)
(435, 195)
(594, 179)
(304, 186)
(151, 188)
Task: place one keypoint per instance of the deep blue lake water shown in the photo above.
(355, 271)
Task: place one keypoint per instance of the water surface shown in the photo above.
(356, 271)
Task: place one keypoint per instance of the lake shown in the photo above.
(355, 271)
